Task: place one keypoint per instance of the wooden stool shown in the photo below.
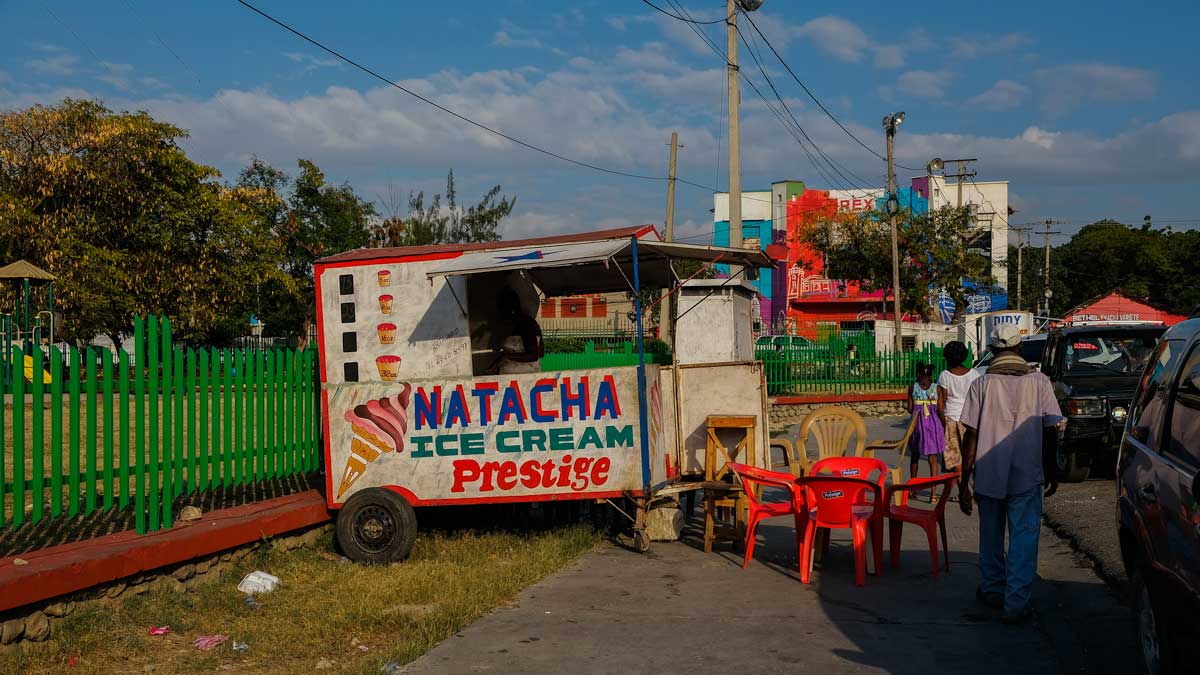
(717, 492)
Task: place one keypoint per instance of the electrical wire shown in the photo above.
(687, 20)
(133, 11)
(814, 98)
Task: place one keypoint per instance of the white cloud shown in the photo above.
(116, 74)
(1064, 88)
(975, 46)
(1003, 95)
(837, 37)
(311, 62)
(502, 39)
(918, 84)
(889, 56)
(60, 62)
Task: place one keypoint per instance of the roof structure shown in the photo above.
(360, 254)
(1118, 306)
(22, 270)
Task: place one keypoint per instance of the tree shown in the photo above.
(933, 252)
(311, 218)
(110, 204)
(435, 224)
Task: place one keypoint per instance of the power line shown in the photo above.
(448, 111)
(688, 19)
(814, 98)
(162, 42)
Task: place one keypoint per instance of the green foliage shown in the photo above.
(434, 224)
(932, 254)
(564, 345)
(110, 204)
(1160, 265)
(310, 218)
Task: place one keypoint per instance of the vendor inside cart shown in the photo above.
(505, 336)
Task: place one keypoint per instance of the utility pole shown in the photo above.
(960, 174)
(1020, 247)
(668, 312)
(889, 126)
(735, 134)
(1047, 293)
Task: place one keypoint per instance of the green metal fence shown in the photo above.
(798, 370)
(87, 432)
(624, 355)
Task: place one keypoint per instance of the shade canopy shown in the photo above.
(22, 270)
(596, 266)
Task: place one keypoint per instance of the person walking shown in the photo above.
(953, 384)
(1008, 450)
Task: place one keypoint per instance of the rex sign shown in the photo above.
(491, 439)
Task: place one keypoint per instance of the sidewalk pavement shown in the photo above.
(677, 609)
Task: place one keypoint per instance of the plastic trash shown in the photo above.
(160, 630)
(251, 602)
(391, 668)
(240, 646)
(20, 561)
(258, 582)
(207, 642)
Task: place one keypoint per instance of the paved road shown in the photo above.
(1085, 514)
(677, 608)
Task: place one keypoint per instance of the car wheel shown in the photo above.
(1151, 631)
(376, 527)
(1072, 467)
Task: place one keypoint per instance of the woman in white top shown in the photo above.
(952, 391)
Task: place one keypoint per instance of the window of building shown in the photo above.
(908, 342)
(549, 308)
(574, 307)
(599, 307)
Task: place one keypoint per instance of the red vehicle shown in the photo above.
(1158, 512)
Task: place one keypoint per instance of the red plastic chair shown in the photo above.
(752, 478)
(929, 519)
(840, 503)
(860, 467)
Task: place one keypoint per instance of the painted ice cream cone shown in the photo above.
(385, 277)
(389, 367)
(379, 426)
(385, 304)
(387, 333)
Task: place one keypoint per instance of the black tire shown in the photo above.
(1154, 640)
(376, 527)
(641, 541)
(1072, 466)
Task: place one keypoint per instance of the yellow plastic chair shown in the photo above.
(838, 431)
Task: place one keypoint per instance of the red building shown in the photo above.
(813, 298)
(1116, 307)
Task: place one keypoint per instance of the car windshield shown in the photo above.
(1031, 350)
(1115, 354)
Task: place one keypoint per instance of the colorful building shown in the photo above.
(1116, 307)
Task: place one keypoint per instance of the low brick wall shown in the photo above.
(35, 622)
(786, 411)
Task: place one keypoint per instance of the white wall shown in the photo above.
(718, 329)
(755, 206)
(991, 199)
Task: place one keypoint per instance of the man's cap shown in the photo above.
(1006, 335)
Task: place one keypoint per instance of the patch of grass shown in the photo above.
(324, 609)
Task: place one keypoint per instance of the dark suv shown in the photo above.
(1158, 492)
(1095, 370)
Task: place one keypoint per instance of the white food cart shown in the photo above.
(422, 405)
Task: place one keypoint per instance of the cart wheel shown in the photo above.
(641, 541)
(376, 527)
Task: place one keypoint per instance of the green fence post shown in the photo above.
(227, 445)
(260, 394)
(123, 392)
(215, 422)
(294, 410)
(152, 460)
(251, 444)
(56, 395)
(106, 371)
(165, 470)
(278, 467)
(139, 421)
(189, 405)
(18, 427)
(239, 410)
(73, 441)
(37, 447)
(310, 411)
(93, 419)
(202, 451)
(179, 395)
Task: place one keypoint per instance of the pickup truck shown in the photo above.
(1095, 371)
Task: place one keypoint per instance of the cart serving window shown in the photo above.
(432, 388)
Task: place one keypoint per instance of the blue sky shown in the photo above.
(1087, 114)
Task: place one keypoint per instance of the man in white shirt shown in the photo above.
(1010, 414)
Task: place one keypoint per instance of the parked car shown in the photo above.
(1095, 370)
(1158, 503)
(1031, 351)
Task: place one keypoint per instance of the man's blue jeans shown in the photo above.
(1011, 575)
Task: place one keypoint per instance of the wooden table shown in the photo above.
(718, 491)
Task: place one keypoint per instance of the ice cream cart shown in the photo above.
(432, 395)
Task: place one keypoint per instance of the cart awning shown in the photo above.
(595, 266)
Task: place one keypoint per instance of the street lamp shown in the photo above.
(890, 123)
